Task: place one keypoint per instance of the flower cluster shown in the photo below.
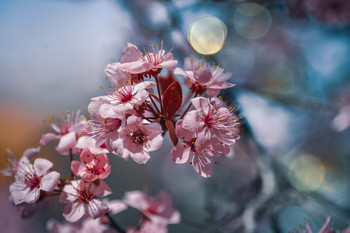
(130, 120)
(144, 101)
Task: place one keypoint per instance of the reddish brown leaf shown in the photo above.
(165, 81)
(172, 99)
(169, 124)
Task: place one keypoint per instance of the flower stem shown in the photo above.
(143, 117)
(160, 96)
(114, 224)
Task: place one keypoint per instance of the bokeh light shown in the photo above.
(207, 35)
(307, 172)
(252, 20)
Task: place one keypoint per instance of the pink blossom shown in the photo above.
(158, 208)
(201, 77)
(12, 167)
(137, 139)
(196, 149)
(149, 227)
(307, 228)
(212, 117)
(103, 129)
(91, 167)
(68, 131)
(81, 200)
(134, 62)
(31, 179)
(124, 98)
(329, 11)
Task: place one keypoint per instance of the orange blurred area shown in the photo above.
(20, 128)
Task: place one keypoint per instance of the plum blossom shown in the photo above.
(31, 179)
(307, 228)
(103, 125)
(68, 131)
(196, 149)
(12, 167)
(81, 200)
(329, 11)
(124, 98)
(91, 167)
(158, 209)
(134, 62)
(137, 139)
(201, 77)
(212, 117)
(149, 227)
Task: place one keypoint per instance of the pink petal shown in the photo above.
(48, 137)
(28, 153)
(73, 211)
(192, 121)
(325, 227)
(136, 199)
(116, 206)
(130, 54)
(69, 192)
(86, 156)
(102, 189)
(154, 144)
(66, 142)
(169, 65)
(77, 167)
(41, 166)
(203, 75)
(183, 134)
(200, 103)
(347, 230)
(180, 153)
(18, 192)
(212, 92)
(140, 158)
(97, 208)
(144, 85)
(220, 85)
(32, 196)
(180, 71)
(202, 166)
(50, 181)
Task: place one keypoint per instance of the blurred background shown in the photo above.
(290, 60)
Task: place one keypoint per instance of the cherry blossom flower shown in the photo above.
(137, 139)
(81, 200)
(68, 131)
(134, 62)
(201, 77)
(307, 228)
(91, 167)
(158, 209)
(12, 167)
(212, 117)
(103, 129)
(124, 98)
(31, 179)
(196, 149)
(329, 11)
(149, 227)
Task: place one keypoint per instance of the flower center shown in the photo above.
(85, 195)
(32, 182)
(152, 209)
(208, 120)
(112, 124)
(138, 137)
(191, 144)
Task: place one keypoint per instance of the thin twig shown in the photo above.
(71, 159)
(189, 106)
